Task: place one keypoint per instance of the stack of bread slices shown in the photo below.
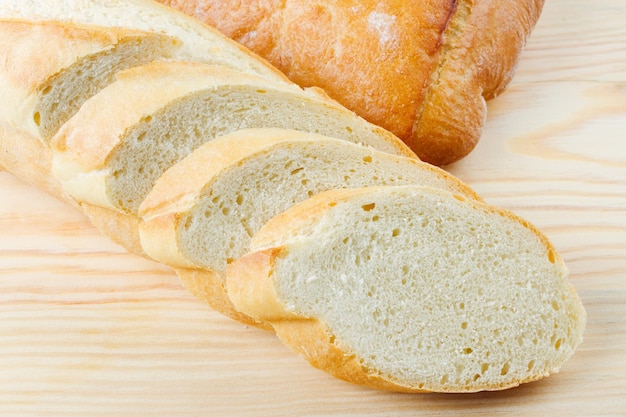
(274, 204)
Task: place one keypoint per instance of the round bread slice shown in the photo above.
(203, 211)
(413, 289)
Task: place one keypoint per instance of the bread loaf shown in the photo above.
(108, 102)
(203, 211)
(411, 288)
(421, 69)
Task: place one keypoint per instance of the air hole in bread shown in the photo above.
(46, 90)
(558, 343)
(467, 350)
(395, 232)
(531, 365)
(505, 369)
(368, 207)
(37, 118)
(367, 159)
(239, 199)
(295, 171)
(188, 223)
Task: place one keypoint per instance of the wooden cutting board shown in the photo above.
(87, 329)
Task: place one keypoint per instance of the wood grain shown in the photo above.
(87, 329)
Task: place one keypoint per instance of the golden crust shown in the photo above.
(422, 70)
(209, 287)
(121, 228)
(479, 54)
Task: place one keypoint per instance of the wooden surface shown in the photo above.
(89, 330)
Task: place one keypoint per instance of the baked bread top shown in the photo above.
(421, 69)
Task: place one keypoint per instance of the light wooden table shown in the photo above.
(87, 329)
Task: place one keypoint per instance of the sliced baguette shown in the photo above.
(203, 211)
(199, 41)
(412, 289)
(122, 139)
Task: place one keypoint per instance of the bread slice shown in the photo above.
(199, 42)
(53, 68)
(122, 139)
(413, 289)
(203, 211)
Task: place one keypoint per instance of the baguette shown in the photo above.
(412, 289)
(421, 69)
(138, 96)
(202, 212)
